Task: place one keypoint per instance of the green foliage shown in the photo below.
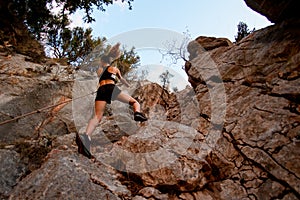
(243, 31)
(34, 13)
(165, 78)
(37, 15)
(175, 89)
(72, 44)
(127, 61)
(51, 28)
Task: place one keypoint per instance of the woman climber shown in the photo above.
(107, 91)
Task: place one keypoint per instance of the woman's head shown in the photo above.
(113, 54)
(106, 59)
(114, 51)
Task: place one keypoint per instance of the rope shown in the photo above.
(42, 109)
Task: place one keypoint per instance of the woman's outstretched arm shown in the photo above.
(99, 71)
(123, 80)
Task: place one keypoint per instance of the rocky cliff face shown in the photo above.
(27, 87)
(259, 140)
(234, 135)
(276, 11)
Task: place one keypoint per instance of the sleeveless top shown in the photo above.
(107, 75)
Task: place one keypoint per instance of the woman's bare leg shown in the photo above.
(99, 110)
(138, 116)
(125, 98)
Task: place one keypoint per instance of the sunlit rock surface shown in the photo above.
(235, 134)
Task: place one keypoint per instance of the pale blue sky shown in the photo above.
(217, 18)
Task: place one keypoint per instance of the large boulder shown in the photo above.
(260, 132)
(276, 11)
(28, 87)
(210, 43)
(11, 171)
(66, 175)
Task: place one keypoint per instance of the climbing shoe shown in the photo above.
(139, 117)
(84, 144)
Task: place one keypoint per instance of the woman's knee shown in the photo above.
(132, 101)
(98, 118)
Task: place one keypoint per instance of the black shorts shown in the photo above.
(108, 93)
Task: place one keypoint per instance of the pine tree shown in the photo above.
(243, 31)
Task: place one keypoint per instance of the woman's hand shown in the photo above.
(123, 80)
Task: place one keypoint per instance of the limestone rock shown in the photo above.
(259, 139)
(27, 87)
(152, 192)
(233, 135)
(11, 171)
(66, 175)
(276, 11)
(210, 43)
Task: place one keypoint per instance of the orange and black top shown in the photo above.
(106, 75)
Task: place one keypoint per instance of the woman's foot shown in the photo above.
(84, 145)
(139, 117)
